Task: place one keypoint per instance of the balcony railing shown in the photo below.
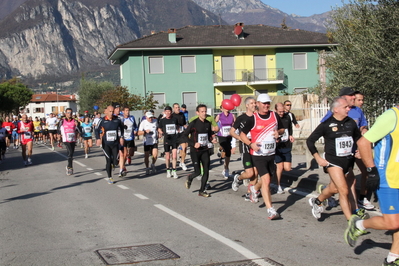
(252, 76)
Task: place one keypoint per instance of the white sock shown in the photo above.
(359, 224)
(392, 257)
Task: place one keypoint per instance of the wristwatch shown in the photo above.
(369, 169)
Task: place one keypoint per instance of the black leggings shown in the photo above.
(225, 143)
(70, 151)
(198, 157)
(111, 157)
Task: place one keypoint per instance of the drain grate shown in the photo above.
(136, 254)
(256, 262)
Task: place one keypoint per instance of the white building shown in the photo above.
(42, 105)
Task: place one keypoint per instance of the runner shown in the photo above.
(3, 137)
(52, 122)
(148, 128)
(184, 111)
(283, 156)
(111, 138)
(122, 159)
(9, 126)
(15, 135)
(383, 176)
(25, 130)
(265, 127)
(250, 171)
(225, 121)
(340, 134)
(201, 134)
(169, 128)
(44, 131)
(87, 132)
(287, 107)
(68, 128)
(129, 145)
(37, 129)
(181, 140)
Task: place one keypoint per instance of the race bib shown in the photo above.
(203, 139)
(70, 137)
(226, 131)
(285, 136)
(27, 135)
(111, 135)
(170, 129)
(268, 147)
(149, 139)
(127, 133)
(343, 146)
(87, 129)
(51, 126)
(38, 128)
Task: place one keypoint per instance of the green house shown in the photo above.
(206, 64)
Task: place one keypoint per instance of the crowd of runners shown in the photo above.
(265, 137)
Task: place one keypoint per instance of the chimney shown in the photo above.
(152, 32)
(172, 35)
(239, 30)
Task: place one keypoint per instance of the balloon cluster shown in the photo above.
(230, 104)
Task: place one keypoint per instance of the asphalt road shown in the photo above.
(48, 218)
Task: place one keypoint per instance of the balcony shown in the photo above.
(235, 77)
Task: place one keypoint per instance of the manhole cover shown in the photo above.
(256, 262)
(135, 254)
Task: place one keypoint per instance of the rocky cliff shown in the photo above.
(56, 37)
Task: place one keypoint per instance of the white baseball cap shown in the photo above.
(264, 98)
(149, 114)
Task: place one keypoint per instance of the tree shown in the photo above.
(91, 91)
(13, 95)
(122, 96)
(367, 56)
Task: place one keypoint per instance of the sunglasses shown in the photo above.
(288, 105)
(266, 103)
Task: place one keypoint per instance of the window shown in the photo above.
(300, 90)
(160, 97)
(300, 61)
(155, 65)
(38, 110)
(228, 94)
(188, 64)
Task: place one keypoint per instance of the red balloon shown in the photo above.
(236, 99)
(227, 104)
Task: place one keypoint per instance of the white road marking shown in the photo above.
(240, 249)
(123, 187)
(79, 163)
(97, 173)
(90, 169)
(140, 196)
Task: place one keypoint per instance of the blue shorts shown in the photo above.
(15, 135)
(283, 155)
(389, 200)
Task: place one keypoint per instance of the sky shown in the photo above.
(303, 7)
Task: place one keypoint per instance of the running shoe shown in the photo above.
(68, 170)
(81, 145)
(247, 197)
(110, 180)
(204, 194)
(183, 166)
(236, 183)
(168, 173)
(280, 190)
(254, 194)
(225, 173)
(29, 161)
(362, 214)
(174, 174)
(120, 173)
(188, 183)
(86, 156)
(316, 209)
(147, 171)
(208, 185)
(365, 204)
(26, 163)
(272, 214)
(246, 182)
(124, 172)
(154, 170)
(393, 263)
(52, 148)
(352, 232)
(129, 160)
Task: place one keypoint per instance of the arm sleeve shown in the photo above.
(122, 127)
(294, 119)
(363, 121)
(316, 134)
(279, 122)
(187, 132)
(384, 124)
(249, 125)
(97, 129)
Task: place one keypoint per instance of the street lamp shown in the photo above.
(58, 106)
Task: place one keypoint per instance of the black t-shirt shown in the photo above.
(200, 132)
(110, 130)
(251, 122)
(180, 118)
(287, 124)
(241, 121)
(336, 136)
(169, 127)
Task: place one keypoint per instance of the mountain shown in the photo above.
(56, 37)
(8, 6)
(253, 12)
